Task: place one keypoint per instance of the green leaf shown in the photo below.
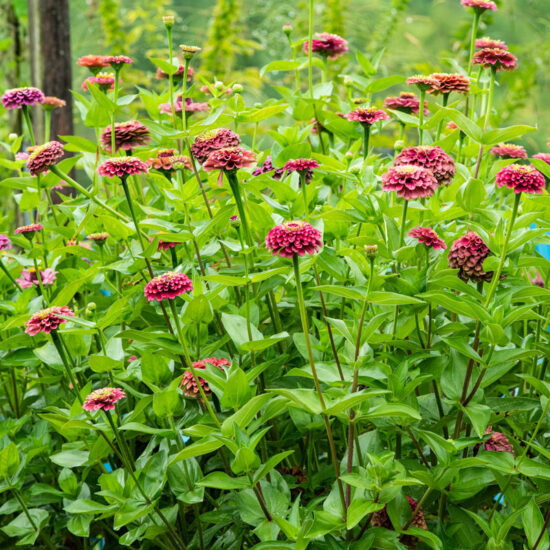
(202, 447)
(84, 506)
(220, 480)
(165, 403)
(506, 134)
(70, 458)
(397, 410)
(479, 415)
(102, 363)
(237, 391)
(260, 115)
(280, 65)
(9, 460)
(366, 65)
(384, 83)
(165, 66)
(392, 298)
(533, 522)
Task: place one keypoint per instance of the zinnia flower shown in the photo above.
(29, 277)
(545, 157)
(166, 245)
(117, 61)
(291, 238)
(190, 107)
(423, 83)
(29, 230)
(122, 167)
(496, 59)
(169, 285)
(189, 51)
(498, 442)
(409, 182)
(406, 102)
(490, 43)
(16, 98)
(479, 5)
(301, 165)
(427, 236)
(93, 62)
(367, 115)
(327, 45)
(188, 383)
(267, 167)
(5, 243)
(522, 179)
(128, 135)
(229, 159)
(105, 399)
(104, 81)
(47, 320)
(178, 75)
(467, 254)
(219, 138)
(98, 238)
(447, 83)
(44, 156)
(431, 157)
(165, 160)
(50, 103)
(509, 151)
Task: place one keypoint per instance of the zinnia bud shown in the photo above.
(168, 21)
(371, 250)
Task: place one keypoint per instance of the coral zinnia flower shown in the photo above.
(545, 157)
(431, 157)
(128, 135)
(5, 243)
(188, 383)
(219, 138)
(267, 167)
(509, 151)
(167, 160)
(105, 399)
(122, 167)
(467, 254)
(490, 43)
(47, 320)
(44, 156)
(93, 62)
(450, 82)
(50, 103)
(104, 81)
(29, 277)
(29, 230)
(367, 115)
(479, 5)
(16, 98)
(291, 238)
(229, 159)
(99, 238)
(406, 102)
(427, 236)
(327, 45)
(522, 179)
(496, 59)
(117, 61)
(409, 182)
(169, 285)
(178, 75)
(423, 83)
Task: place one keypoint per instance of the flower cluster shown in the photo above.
(467, 254)
(220, 138)
(29, 277)
(496, 59)
(447, 83)
(427, 236)
(229, 159)
(167, 161)
(44, 156)
(17, 98)
(122, 167)
(433, 158)
(367, 115)
(104, 81)
(406, 102)
(509, 151)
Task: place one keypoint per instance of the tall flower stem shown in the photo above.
(475, 25)
(170, 76)
(56, 339)
(366, 139)
(47, 124)
(113, 115)
(132, 212)
(234, 184)
(293, 52)
(184, 93)
(39, 279)
(487, 116)
(421, 116)
(440, 125)
(305, 327)
(27, 117)
(303, 185)
(310, 49)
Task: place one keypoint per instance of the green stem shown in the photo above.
(421, 116)
(39, 279)
(113, 116)
(440, 125)
(366, 139)
(475, 26)
(132, 212)
(27, 117)
(170, 76)
(47, 125)
(234, 184)
(184, 94)
(310, 49)
(303, 185)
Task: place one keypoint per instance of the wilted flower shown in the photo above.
(490, 43)
(496, 59)
(422, 82)
(427, 236)
(545, 157)
(431, 157)
(327, 45)
(213, 140)
(44, 156)
(522, 179)
(406, 102)
(105, 399)
(367, 115)
(178, 75)
(467, 254)
(509, 151)
(479, 5)
(189, 51)
(5, 243)
(169, 285)
(497, 442)
(229, 159)
(117, 61)
(295, 237)
(450, 82)
(29, 277)
(409, 182)
(93, 62)
(16, 98)
(104, 81)
(50, 103)
(122, 167)
(188, 383)
(28, 230)
(128, 135)
(47, 320)
(267, 167)
(380, 518)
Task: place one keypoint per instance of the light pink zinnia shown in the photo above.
(495, 58)
(122, 167)
(291, 238)
(422, 82)
(93, 62)
(5, 243)
(409, 182)
(29, 277)
(327, 45)
(431, 157)
(167, 286)
(213, 140)
(479, 5)
(406, 102)
(467, 254)
(128, 135)
(448, 83)
(427, 236)
(367, 115)
(16, 98)
(509, 151)
(104, 398)
(44, 156)
(522, 179)
(117, 61)
(229, 159)
(51, 102)
(188, 383)
(29, 230)
(487, 42)
(167, 161)
(545, 157)
(47, 320)
(104, 81)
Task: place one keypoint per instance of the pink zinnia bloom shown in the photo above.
(169, 285)
(406, 102)
(479, 5)
(431, 157)
(47, 320)
(498, 442)
(177, 75)
(427, 236)
(522, 179)
(93, 62)
(327, 45)
(5, 243)
(167, 161)
(380, 518)
(229, 159)
(422, 82)
(122, 167)
(105, 399)
(105, 81)
(509, 151)
(99, 238)
(301, 165)
(450, 82)
(166, 245)
(213, 140)
(490, 43)
(132, 358)
(291, 238)
(51, 102)
(117, 61)
(495, 58)
(467, 254)
(44, 156)
(367, 115)
(190, 107)
(409, 182)
(16, 98)
(128, 135)
(545, 157)
(29, 277)
(22, 155)
(29, 230)
(188, 383)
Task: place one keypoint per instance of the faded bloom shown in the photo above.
(105, 399)
(267, 167)
(47, 320)
(467, 254)
(169, 285)
(422, 82)
(490, 43)
(128, 135)
(29, 277)
(229, 159)
(295, 237)
(188, 383)
(509, 151)
(50, 103)
(122, 167)
(213, 140)
(381, 518)
(327, 45)
(44, 156)
(28, 230)
(93, 62)
(496, 59)
(367, 115)
(104, 81)
(447, 83)
(427, 236)
(5, 243)
(189, 51)
(178, 75)
(522, 179)
(409, 182)
(545, 157)
(479, 5)
(406, 102)
(98, 238)
(16, 98)
(117, 61)
(167, 160)
(431, 157)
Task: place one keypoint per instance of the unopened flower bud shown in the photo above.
(355, 170)
(371, 250)
(348, 81)
(348, 156)
(92, 306)
(237, 88)
(219, 85)
(12, 137)
(399, 145)
(168, 21)
(235, 221)
(287, 29)
(189, 51)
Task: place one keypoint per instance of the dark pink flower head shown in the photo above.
(409, 182)
(496, 59)
(105, 399)
(229, 159)
(367, 115)
(406, 102)
(427, 236)
(450, 82)
(490, 43)
(117, 61)
(166, 245)
(16, 98)
(211, 141)
(380, 518)
(522, 179)
(50, 103)
(291, 238)
(431, 157)
(122, 167)
(47, 320)
(327, 45)
(104, 81)
(188, 383)
(537, 280)
(167, 286)
(44, 156)
(545, 157)
(479, 5)
(93, 62)
(509, 151)
(498, 442)
(190, 106)
(467, 254)
(28, 230)
(5, 243)
(422, 82)
(128, 136)
(29, 277)
(301, 165)
(267, 167)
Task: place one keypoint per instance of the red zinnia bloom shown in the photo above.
(117, 61)
(545, 157)
(51, 102)
(128, 135)
(5, 243)
(169, 285)
(522, 179)
(229, 159)
(29, 277)
(367, 115)
(467, 254)
(409, 182)
(301, 165)
(406, 102)
(219, 138)
(16, 98)
(105, 81)
(105, 399)
(166, 245)
(291, 238)
(509, 151)
(267, 167)
(93, 62)
(188, 383)
(177, 75)
(44, 156)
(380, 518)
(427, 236)
(122, 167)
(431, 157)
(327, 45)
(447, 83)
(421, 82)
(479, 5)
(490, 43)
(495, 58)
(29, 230)
(47, 320)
